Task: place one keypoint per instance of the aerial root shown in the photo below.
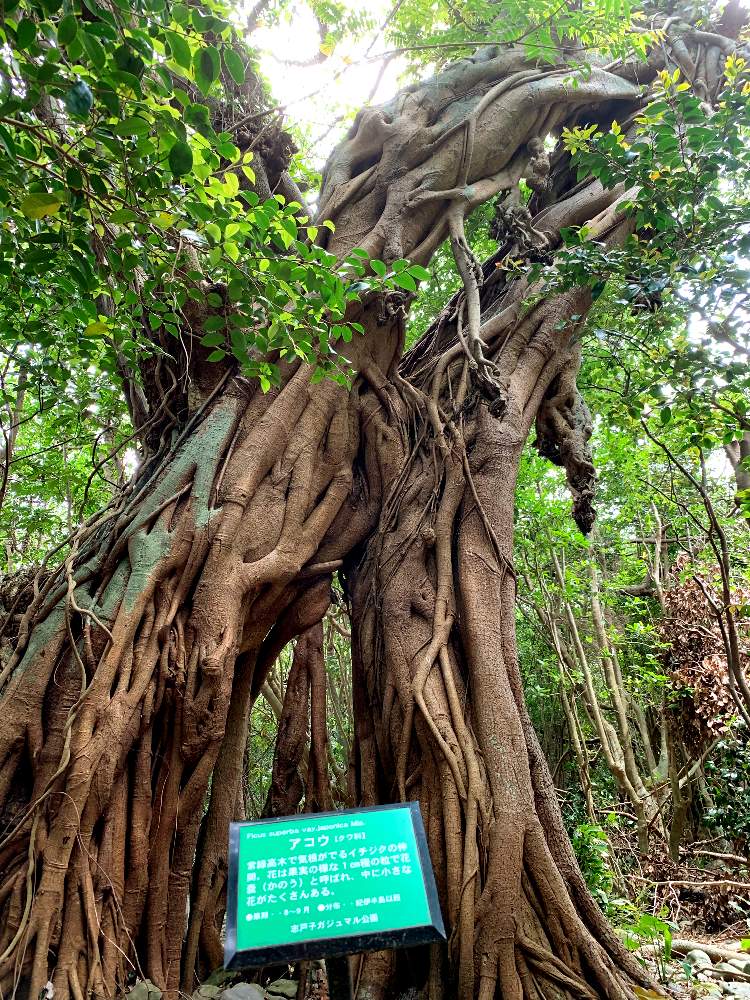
(514, 927)
(483, 369)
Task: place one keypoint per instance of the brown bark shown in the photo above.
(305, 696)
(157, 636)
(138, 658)
(433, 607)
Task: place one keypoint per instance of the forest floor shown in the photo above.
(696, 973)
(690, 973)
(688, 922)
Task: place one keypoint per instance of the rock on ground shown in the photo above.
(244, 991)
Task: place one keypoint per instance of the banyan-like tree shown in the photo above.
(135, 661)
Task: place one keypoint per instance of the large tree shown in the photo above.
(125, 701)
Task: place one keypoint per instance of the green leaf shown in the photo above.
(180, 49)
(180, 159)
(39, 204)
(94, 49)
(207, 65)
(196, 115)
(213, 231)
(96, 329)
(405, 280)
(128, 61)
(101, 13)
(166, 79)
(217, 355)
(201, 22)
(234, 65)
(79, 100)
(6, 139)
(25, 33)
(213, 339)
(210, 63)
(132, 126)
(67, 29)
(666, 414)
(419, 272)
(214, 323)
(378, 267)
(123, 215)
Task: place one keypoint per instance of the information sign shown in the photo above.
(321, 884)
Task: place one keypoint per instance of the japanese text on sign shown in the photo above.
(322, 877)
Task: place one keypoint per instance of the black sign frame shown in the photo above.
(349, 944)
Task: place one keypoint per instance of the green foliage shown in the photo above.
(545, 527)
(652, 930)
(635, 483)
(592, 850)
(688, 171)
(436, 32)
(675, 157)
(640, 931)
(59, 399)
(675, 164)
(259, 756)
(120, 186)
(728, 778)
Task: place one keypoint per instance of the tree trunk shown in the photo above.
(138, 659)
(161, 624)
(738, 453)
(444, 720)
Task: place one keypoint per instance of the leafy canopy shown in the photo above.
(123, 187)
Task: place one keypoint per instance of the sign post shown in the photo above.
(323, 885)
(339, 977)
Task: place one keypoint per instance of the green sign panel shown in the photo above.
(322, 884)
